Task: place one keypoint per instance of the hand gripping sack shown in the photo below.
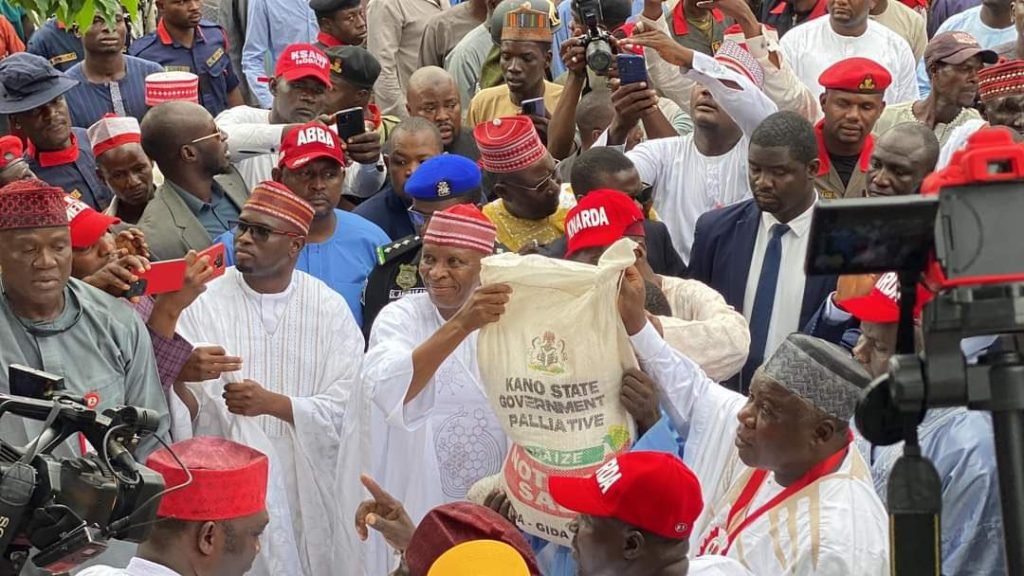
(552, 371)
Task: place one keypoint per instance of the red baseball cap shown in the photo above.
(882, 304)
(600, 219)
(653, 491)
(302, 61)
(11, 150)
(307, 143)
(87, 225)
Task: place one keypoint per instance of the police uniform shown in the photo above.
(62, 47)
(856, 76)
(396, 274)
(685, 33)
(330, 7)
(207, 58)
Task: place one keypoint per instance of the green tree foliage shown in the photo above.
(80, 12)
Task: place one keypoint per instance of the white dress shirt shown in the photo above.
(686, 182)
(789, 291)
(813, 46)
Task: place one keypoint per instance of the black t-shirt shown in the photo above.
(844, 165)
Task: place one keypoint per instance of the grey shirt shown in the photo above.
(99, 345)
(466, 60)
(215, 215)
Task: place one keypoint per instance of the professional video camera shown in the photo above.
(959, 237)
(67, 508)
(598, 43)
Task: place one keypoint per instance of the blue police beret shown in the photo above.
(28, 81)
(444, 176)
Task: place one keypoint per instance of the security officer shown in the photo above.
(341, 22)
(32, 94)
(184, 42)
(354, 71)
(61, 45)
(439, 183)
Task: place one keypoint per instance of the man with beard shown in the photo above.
(300, 87)
(441, 434)
(706, 169)
(753, 252)
(853, 100)
(901, 159)
(341, 22)
(354, 71)
(341, 248)
(531, 203)
(433, 95)
(412, 142)
(953, 60)
(525, 56)
(33, 97)
(209, 525)
(297, 397)
(201, 193)
(185, 42)
(105, 66)
(122, 164)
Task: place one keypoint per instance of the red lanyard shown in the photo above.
(754, 483)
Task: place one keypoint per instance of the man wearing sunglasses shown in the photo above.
(297, 396)
(438, 184)
(341, 249)
(201, 193)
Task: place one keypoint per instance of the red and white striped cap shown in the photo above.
(508, 144)
(171, 87)
(112, 131)
(737, 58)
(462, 226)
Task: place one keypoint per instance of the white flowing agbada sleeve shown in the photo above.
(740, 98)
(703, 412)
(704, 328)
(388, 367)
(781, 84)
(249, 132)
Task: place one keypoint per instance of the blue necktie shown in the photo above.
(764, 300)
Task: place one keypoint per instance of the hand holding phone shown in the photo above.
(534, 107)
(632, 68)
(162, 277)
(350, 123)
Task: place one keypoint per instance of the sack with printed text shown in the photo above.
(552, 371)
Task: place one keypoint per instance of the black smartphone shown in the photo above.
(32, 383)
(632, 68)
(533, 107)
(350, 123)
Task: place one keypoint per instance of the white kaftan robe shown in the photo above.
(835, 525)
(137, 567)
(302, 343)
(440, 444)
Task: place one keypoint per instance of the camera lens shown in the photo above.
(599, 55)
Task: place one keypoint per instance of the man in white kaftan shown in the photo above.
(441, 435)
(299, 344)
(829, 519)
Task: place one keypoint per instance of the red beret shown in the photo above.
(858, 75)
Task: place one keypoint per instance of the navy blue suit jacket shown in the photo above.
(723, 247)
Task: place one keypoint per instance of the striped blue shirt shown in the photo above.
(88, 102)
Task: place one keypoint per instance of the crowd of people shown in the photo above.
(326, 178)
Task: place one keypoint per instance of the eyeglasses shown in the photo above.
(536, 189)
(218, 133)
(259, 232)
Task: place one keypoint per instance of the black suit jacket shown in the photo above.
(661, 255)
(723, 247)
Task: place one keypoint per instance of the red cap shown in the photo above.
(171, 87)
(652, 491)
(229, 480)
(508, 144)
(11, 149)
(112, 131)
(882, 304)
(859, 75)
(277, 201)
(302, 61)
(1003, 79)
(449, 525)
(600, 219)
(309, 142)
(87, 225)
(462, 226)
(32, 203)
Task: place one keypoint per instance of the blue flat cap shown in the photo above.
(442, 177)
(28, 81)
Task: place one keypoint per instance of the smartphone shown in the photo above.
(217, 259)
(632, 68)
(350, 123)
(534, 107)
(32, 383)
(162, 277)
